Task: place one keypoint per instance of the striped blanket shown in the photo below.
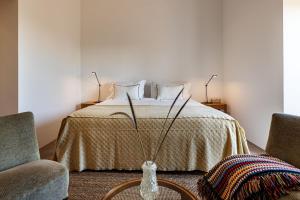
(249, 177)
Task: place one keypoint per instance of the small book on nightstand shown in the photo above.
(219, 106)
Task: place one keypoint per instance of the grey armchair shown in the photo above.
(284, 142)
(284, 138)
(22, 174)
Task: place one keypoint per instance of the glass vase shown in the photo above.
(149, 187)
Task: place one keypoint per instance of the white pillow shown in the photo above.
(142, 84)
(186, 91)
(169, 92)
(120, 92)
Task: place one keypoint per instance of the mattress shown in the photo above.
(201, 136)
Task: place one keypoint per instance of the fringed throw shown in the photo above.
(242, 177)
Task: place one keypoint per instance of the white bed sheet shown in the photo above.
(150, 102)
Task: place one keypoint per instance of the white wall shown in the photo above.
(155, 40)
(291, 13)
(253, 63)
(8, 57)
(49, 62)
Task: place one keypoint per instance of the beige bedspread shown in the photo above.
(91, 139)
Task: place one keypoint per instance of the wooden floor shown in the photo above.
(255, 149)
(47, 152)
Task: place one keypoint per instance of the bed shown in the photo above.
(91, 138)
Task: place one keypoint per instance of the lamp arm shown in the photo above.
(99, 95)
(99, 84)
(97, 78)
(206, 85)
(209, 80)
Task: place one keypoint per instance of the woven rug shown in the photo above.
(95, 184)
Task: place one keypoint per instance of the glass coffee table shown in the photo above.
(168, 190)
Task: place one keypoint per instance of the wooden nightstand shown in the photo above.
(219, 106)
(88, 103)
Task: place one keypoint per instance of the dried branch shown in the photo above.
(168, 130)
(166, 119)
(136, 126)
(126, 115)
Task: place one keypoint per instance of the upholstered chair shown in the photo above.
(22, 174)
(284, 142)
(284, 138)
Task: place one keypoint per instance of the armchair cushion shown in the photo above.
(18, 143)
(284, 138)
(41, 179)
(249, 177)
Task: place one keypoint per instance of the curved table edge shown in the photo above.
(186, 194)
